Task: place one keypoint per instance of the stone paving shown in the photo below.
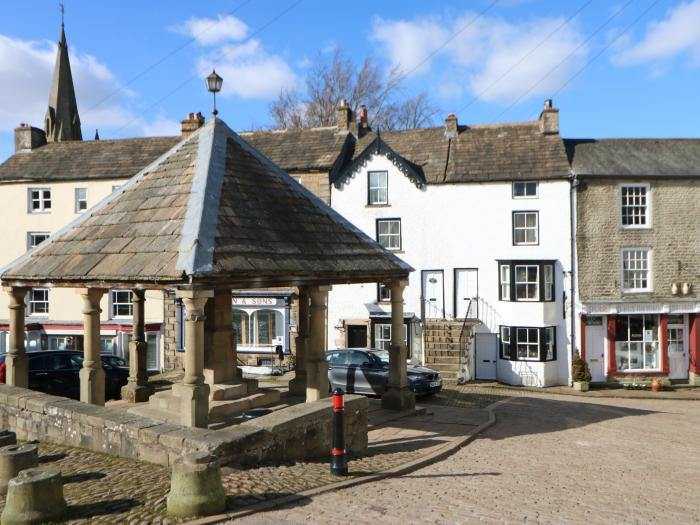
(549, 460)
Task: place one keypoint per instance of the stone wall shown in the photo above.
(318, 183)
(172, 359)
(675, 206)
(294, 433)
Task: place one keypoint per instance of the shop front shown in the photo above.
(261, 324)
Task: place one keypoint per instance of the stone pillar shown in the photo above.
(316, 365)
(16, 371)
(92, 375)
(398, 396)
(219, 344)
(137, 388)
(193, 391)
(297, 386)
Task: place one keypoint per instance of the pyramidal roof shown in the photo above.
(214, 210)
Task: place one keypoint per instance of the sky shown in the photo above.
(622, 68)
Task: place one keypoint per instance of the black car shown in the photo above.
(366, 371)
(57, 372)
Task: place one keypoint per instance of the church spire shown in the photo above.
(62, 121)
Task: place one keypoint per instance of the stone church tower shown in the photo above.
(62, 121)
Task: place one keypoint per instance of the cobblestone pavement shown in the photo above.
(550, 460)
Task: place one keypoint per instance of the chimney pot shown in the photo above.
(28, 138)
(363, 116)
(191, 124)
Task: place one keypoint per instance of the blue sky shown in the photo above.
(486, 60)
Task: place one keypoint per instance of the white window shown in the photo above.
(549, 342)
(524, 190)
(525, 227)
(39, 200)
(36, 238)
(81, 202)
(389, 233)
(637, 342)
(505, 342)
(527, 283)
(383, 292)
(528, 344)
(382, 336)
(504, 272)
(634, 206)
(121, 303)
(38, 301)
(378, 192)
(636, 270)
(548, 282)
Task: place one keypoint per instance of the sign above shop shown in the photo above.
(258, 301)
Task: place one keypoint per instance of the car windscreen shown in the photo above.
(381, 355)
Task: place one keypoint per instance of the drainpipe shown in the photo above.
(574, 267)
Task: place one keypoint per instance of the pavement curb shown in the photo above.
(596, 394)
(445, 450)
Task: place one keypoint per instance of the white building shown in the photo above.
(482, 213)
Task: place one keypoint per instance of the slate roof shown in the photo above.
(78, 160)
(302, 149)
(479, 153)
(211, 210)
(635, 157)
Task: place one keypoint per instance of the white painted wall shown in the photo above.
(452, 226)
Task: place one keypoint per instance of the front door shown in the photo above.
(357, 336)
(677, 354)
(466, 293)
(433, 294)
(486, 355)
(595, 345)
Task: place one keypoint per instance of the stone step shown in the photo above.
(234, 407)
(442, 352)
(440, 367)
(437, 360)
(221, 392)
(156, 413)
(165, 400)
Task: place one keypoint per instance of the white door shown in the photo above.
(595, 348)
(486, 355)
(467, 293)
(433, 294)
(677, 353)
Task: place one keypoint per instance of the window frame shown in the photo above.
(525, 228)
(31, 302)
(508, 350)
(387, 288)
(386, 324)
(113, 304)
(42, 200)
(30, 236)
(525, 195)
(542, 294)
(656, 339)
(649, 260)
(647, 206)
(370, 188)
(390, 219)
(79, 201)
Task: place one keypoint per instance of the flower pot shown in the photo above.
(656, 385)
(581, 386)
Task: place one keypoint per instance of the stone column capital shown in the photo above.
(16, 293)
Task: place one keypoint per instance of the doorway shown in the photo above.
(595, 348)
(357, 336)
(677, 353)
(486, 355)
(466, 293)
(433, 292)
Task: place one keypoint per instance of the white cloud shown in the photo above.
(161, 126)
(665, 39)
(26, 69)
(209, 31)
(486, 55)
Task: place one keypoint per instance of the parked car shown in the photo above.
(57, 372)
(366, 371)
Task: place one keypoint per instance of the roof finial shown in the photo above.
(62, 7)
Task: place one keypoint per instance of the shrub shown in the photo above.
(579, 369)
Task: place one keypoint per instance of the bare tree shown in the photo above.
(331, 80)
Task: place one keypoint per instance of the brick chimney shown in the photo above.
(28, 138)
(363, 117)
(345, 116)
(549, 119)
(451, 127)
(191, 124)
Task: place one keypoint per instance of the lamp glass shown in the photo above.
(214, 82)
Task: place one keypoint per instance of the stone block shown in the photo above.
(7, 438)
(13, 459)
(35, 496)
(195, 486)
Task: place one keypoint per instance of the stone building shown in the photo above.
(638, 253)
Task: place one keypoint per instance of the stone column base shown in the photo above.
(398, 399)
(135, 393)
(297, 386)
(317, 380)
(194, 404)
(17, 370)
(92, 385)
(694, 379)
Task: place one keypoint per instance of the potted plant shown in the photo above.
(656, 385)
(580, 374)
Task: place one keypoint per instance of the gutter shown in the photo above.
(574, 267)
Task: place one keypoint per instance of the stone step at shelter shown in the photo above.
(210, 215)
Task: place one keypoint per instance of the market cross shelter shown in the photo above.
(210, 215)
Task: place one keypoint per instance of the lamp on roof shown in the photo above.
(214, 83)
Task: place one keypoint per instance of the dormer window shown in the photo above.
(378, 188)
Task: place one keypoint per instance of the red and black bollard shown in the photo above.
(339, 465)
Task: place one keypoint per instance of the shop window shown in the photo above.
(241, 325)
(637, 342)
(268, 326)
(524, 343)
(526, 281)
(64, 342)
(634, 206)
(121, 303)
(108, 344)
(389, 233)
(525, 227)
(378, 191)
